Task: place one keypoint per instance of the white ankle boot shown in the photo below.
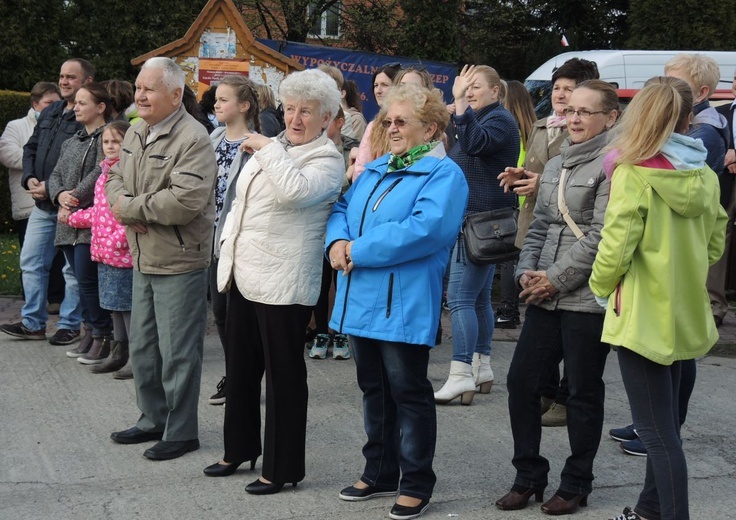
(482, 373)
(460, 384)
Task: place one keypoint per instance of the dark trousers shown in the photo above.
(546, 337)
(219, 304)
(399, 415)
(266, 338)
(653, 392)
(322, 309)
(85, 271)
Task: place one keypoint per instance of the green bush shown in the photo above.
(13, 105)
(9, 266)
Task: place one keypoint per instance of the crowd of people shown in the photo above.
(159, 204)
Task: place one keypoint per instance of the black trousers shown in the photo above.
(266, 338)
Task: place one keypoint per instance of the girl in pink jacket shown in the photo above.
(110, 248)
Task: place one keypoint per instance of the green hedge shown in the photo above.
(13, 105)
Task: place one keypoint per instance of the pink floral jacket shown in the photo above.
(109, 244)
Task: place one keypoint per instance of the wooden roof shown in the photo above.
(235, 18)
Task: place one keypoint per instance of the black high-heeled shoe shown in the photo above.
(258, 487)
(225, 470)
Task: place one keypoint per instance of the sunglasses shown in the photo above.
(400, 123)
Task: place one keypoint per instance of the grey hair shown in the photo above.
(174, 76)
(311, 85)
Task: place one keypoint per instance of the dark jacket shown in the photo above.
(487, 142)
(712, 128)
(727, 178)
(272, 123)
(42, 151)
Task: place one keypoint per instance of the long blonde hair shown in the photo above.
(662, 107)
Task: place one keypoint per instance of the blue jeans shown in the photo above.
(85, 271)
(36, 258)
(653, 392)
(399, 415)
(469, 299)
(546, 337)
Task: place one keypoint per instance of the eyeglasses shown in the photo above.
(582, 114)
(400, 123)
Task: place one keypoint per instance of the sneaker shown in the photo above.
(635, 447)
(445, 306)
(319, 347)
(504, 321)
(64, 337)
(340, 347)
(219, 396)
(628, 514)
(627, 433)
(53, 308)
(19, 330)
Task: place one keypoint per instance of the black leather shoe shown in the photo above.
(407, 513)
(225, 470)
(258, 487)
(167, 450)
(135, 436)
(354, 494)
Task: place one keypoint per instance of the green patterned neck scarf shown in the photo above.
(396, 162)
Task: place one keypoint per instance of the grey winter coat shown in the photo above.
(550, 245)
(77, 169)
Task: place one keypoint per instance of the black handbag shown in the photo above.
(489, 236)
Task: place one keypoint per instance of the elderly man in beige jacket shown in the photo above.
(162, 190)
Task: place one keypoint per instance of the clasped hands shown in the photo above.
(522, 182)
(340, 258)
(536, 287)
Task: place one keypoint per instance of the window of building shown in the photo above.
(328, 24)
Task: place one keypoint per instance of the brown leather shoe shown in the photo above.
(513, 500)
(559, 506)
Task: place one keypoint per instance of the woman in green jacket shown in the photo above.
(663, 227)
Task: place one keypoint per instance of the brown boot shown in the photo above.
(555, 416)
(84, 344)
(97, 353)
(124, 373)
(115, 361)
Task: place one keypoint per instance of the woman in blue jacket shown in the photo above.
(391, 235)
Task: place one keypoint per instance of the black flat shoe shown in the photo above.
(167, 450)
(407, 513)
(225, 470)
(135, 436)
(258, 487)
(354, 494)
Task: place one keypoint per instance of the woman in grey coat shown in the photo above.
(563, 318)
(71, 187)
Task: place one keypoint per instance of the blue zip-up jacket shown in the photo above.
(712, 128)
(403, 225)
(487, 142)
(42, 150)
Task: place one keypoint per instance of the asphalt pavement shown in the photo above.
(57, 460)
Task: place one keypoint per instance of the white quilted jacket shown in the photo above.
(273, 239)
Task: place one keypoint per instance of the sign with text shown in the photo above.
(359, 66)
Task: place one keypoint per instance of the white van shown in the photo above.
(626, 70)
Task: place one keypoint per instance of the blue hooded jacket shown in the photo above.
(403, 225)
(712, 128)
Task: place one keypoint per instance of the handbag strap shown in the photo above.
(563, 207)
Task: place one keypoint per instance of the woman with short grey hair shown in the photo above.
(271, 264)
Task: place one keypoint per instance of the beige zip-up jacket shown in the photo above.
(168, 185)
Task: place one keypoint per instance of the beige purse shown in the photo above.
(563, 207)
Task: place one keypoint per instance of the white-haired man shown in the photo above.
(162, 190)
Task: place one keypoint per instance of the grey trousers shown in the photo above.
(167, 329)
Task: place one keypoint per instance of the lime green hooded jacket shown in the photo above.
(663, 227)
